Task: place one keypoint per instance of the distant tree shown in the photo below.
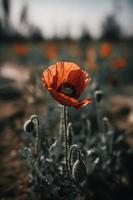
(8, 34)
(23, 16)
(6, 9)
(4, 21)
(85, 36)
(111, 29)
(35, 33)
(1, 32)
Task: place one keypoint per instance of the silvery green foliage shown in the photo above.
(102, 168)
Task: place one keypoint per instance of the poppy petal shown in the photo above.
(58, 73)
(80, 80)
(68, 101)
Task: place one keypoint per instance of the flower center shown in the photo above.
(67, 89)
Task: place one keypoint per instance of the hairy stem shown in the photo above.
(65, 138)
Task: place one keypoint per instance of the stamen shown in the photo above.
(67, 89)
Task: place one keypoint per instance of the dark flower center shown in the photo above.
(67, 89)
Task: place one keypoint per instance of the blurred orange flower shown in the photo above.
(119, 63)
(66, 82)
(50, 52)
(92, 66)
(91, 57)
(106, 50)
(91, 54)
(20, 50)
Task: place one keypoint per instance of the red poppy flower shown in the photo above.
(20, 50)
(91, 59)
(106, 50)
(51, 52)
(66, 82)
(119, 63)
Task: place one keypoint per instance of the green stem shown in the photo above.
(65, 138)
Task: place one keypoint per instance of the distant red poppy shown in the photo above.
(51, 51)
(66, 82)
(119, 63)
(91, 59)
(106, 50)
(20, 50)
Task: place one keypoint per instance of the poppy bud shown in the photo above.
(70, 134)
(98, 95)
(28, 126)
(32, 117)
(79, 171)
(106, 124)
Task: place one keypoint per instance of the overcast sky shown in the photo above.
(69, 16)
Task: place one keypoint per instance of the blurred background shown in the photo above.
(97, 35)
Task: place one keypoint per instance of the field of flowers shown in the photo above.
(66, 130)
(106, 59)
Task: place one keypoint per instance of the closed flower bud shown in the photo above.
(34, 117)
(29, 126)
(79, 171)
(98, 95)
(106, 124)
(69, 134)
